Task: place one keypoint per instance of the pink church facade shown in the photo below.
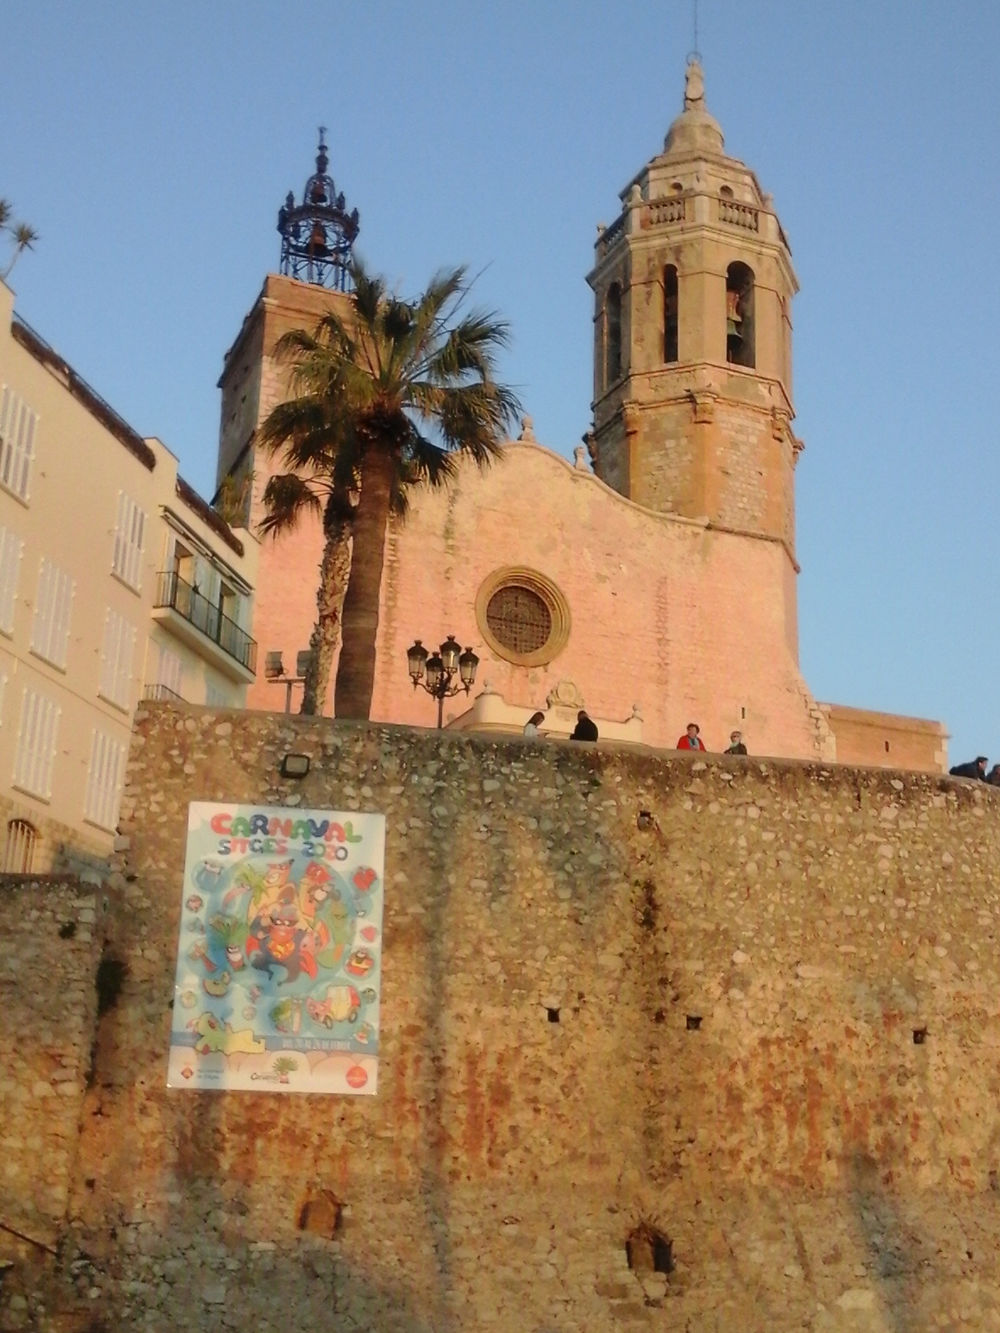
(666, 617)
(654, 585)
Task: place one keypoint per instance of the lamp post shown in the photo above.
(274, 672)
(436, 672)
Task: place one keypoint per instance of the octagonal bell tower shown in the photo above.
(693, 287)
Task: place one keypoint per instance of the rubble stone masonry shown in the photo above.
(667, 1043)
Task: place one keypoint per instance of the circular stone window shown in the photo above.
(523, 616)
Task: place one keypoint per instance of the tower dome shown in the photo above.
(694, 130)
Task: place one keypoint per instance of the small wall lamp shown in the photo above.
(294, 765)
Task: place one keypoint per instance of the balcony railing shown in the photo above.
(672, 209)
(739, 215)
(197, 610)
(610, 235)
(161, 694)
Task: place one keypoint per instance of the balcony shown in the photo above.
(161, 694)
(203, 626)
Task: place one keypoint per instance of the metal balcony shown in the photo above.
(160, 693)
(184, 600)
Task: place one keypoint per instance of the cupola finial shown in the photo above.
(694, 130)
(694, 84)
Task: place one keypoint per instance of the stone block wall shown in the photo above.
(49, 995)
(58, 849)
(888, 740)
(666, 1043)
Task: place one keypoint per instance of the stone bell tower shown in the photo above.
(692, 339)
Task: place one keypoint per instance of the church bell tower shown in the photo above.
(317, 238)
(693, 285)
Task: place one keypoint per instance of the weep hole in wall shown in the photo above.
(649, 1251)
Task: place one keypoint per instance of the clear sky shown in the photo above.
(151, 144)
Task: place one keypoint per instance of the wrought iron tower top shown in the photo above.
(317, 235)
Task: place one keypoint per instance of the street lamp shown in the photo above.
(435, 672)
(274, 671)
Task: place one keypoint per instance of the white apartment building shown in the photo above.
(117, 582)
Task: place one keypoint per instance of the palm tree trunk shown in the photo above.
(333, 574)
(356, 669)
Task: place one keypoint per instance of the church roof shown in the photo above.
(695, 129)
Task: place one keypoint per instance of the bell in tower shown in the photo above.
(317, 235)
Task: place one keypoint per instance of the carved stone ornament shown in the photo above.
(704, 405)
(564, 694)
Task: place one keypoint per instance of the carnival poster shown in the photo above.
(279, 952)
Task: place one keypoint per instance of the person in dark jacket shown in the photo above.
(736, 745)
(585, 729)
(975, 768)
(993, 776)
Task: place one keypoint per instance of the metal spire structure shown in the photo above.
(317, 235)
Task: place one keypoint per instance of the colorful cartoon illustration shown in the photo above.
(216, 1036)
(332, 921)
(247, 882)
(271, 949)
(198, 953)
(277, 940)
(286, 1015)
(340, 1004)
(229, 933)
(208, 874)
(360, 963)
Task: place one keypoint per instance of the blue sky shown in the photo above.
(151, 144)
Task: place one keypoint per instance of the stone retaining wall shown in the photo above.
(747, 1042)
(49, 998)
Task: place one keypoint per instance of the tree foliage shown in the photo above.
(23, 236)
(383, 398)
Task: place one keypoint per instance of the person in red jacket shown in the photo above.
(691, 740)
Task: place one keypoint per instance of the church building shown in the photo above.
(652, 581)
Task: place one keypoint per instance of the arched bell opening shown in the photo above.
(613, 334)
(670, 313)
(740, 348)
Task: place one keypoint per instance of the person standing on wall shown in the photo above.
(691, 740)
(532, 725)
(585, 729)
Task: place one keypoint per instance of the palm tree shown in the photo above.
(24, 236)
(385, 397)
(286, 498)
